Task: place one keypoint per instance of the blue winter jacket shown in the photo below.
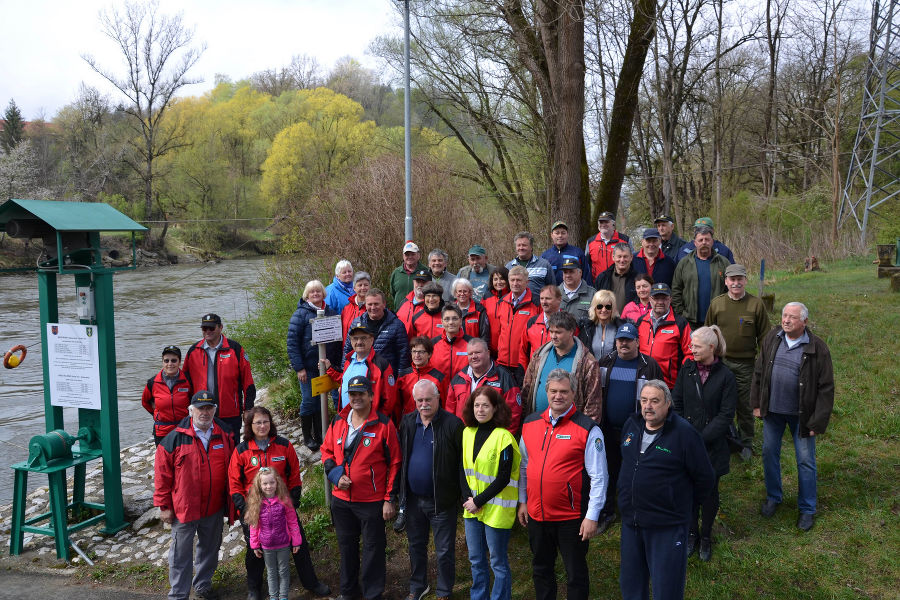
(391, 341)
(338, 294)
(555, 257)
(302, 353)
(660, 487)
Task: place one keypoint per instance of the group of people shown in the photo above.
(518, 393)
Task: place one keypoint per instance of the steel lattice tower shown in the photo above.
(874, 174)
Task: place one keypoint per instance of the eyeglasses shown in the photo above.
(207, 327)
(418, 351)
(261, 422)
(606, 306)
(171, 360)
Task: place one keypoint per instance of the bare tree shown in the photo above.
(303, 73)
(157, 52)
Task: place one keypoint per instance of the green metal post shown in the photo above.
(109, 413)
(58, 513)
(49, 310)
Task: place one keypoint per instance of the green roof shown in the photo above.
(69, 216)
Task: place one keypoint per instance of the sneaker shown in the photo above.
(420, 596)
(400, 522)
(768, 507)
(691, 544)
(805, 522)
(705, 549)
(207, 594)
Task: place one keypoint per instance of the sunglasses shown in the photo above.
(170, 360)
(207, 327)
(606, 306)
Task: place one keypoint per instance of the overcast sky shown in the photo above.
(43, 40)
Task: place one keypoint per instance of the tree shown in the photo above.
(18, 174)
(157, 53)
(13, 128)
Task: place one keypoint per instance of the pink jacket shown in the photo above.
(634, 310)
(278, 526)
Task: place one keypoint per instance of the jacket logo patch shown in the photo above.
(627, 441)
(667, 331)
(368, 434)
(598, 444)
(524, 312)
(224, 356)
(366, 442)
(254, 461)
(339, 440)
(218, 446)
(560, 436)
(495, 384)
(661, 449)
(471, 320)
(185, 390)
(277, 458)
(390, 380)
(462, 353)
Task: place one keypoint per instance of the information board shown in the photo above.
(73, 357)
(327, 329)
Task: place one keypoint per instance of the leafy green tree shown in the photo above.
(13, 128)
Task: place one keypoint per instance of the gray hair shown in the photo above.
(454, 287)
(703, 230)
(661, 386)
(312, 285)
(427, 383)
(622, 247)
(362, 275)
(561, 375)
(341, 265)
(524, 234)
(439, 252)
(804, 312)
(477, 341)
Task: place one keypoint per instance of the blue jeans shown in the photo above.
(805, 453)
(481, 539)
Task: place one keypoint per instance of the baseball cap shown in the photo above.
(203, 398)
(421, 275)
(570, 263)
(210, 319)
(660, 288)
(358, 325)
(651, 232)
(663, 219)
(735, 270)
(606, 216)
(627, 330)
(410, 247)
(477, 250)
(557, 224)
(172, 350)
(704, 222)
(360, 383)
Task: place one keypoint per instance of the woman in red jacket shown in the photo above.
(491, 301)
(167, 394)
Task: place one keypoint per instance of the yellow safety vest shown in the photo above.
(500, 511)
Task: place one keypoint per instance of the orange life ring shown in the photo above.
(11, 360)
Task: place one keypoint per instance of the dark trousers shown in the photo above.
(352, 520)
(548, 537)
(302, 560)
(743, 413)
(655, 555)
(708, 511)
(421, 517)
(613, 437)
(236, 424)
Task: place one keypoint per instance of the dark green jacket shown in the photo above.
(401, 284)
(685, 283)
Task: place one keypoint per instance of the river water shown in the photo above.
(154, 307)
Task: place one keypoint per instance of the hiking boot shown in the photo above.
(768, 507)
(705, 549)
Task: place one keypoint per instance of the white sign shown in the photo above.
(327, 329)
(74, 359)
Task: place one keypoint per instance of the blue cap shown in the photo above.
(203, 398)
(627, 330)
(570, 263)
(651, 232)
(360, 383)
(660, 288)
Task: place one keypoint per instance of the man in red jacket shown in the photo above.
(218, 365)
(516, 308)
(483, 371)
(663, 335)
(191, 491)
(361, 456)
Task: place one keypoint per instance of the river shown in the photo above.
(154, 306)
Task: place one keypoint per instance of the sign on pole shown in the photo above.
(323, 384)
(73, 356)
(327, 329)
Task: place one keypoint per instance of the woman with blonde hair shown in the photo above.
(705, 394)
(598, 331)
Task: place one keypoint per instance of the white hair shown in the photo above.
(458, 282)
(341, 265)
(804, 312)
(427, 383)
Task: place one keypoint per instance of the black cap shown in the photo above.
(570, 263)
(422, 275)
(203, 398)
(358, 325)
(360, 383)
(172, 350)
(606, 216)
(211, 319)
(660, 288)
(663, 219)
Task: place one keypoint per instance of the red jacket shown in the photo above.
(235, 391)
(168, 407)
(425, 324)
(558, 485)
(497, 377)
(475, 321)
(670, 346)
(599, 253)
(382, 377)
(247, 459)
(192, 480)
(350, 313)
(407, 381)
(372, 462)
(406, 310)
(536, 335)
(513, 322)
(492, 305)
(450, 357)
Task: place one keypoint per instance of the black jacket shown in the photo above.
(709, 407)
(586, 329)
(604, 282)
(648, 369)
(447, 466)
(391, 341)
(660, 487)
